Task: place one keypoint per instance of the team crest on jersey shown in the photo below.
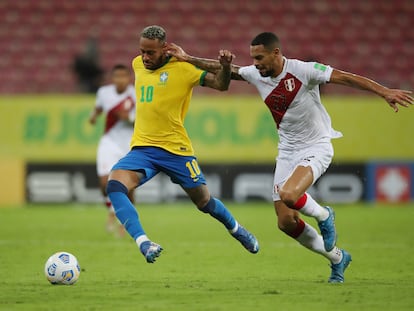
(164, 77)
(290, 84)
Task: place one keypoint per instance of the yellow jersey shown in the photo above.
(162, 102)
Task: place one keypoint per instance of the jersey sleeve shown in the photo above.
(192, 74)
(99, 99)
(248, 73)
(316, 73)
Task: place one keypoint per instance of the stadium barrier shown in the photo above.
(342, 183)
(390, 182)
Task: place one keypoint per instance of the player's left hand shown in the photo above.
(92, 119)
(395, 97)
(225, 57)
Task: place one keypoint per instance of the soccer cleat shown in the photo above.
(328, 230)
(337, 270)
(151, 251)
(247, 239)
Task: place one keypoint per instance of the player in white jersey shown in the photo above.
(290, 89)
(117, 102)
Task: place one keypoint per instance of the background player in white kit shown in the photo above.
(290, 89)
(117, 102)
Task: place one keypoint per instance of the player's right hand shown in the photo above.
(226, 57)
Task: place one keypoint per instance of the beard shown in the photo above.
(153, 65)
(266, 73)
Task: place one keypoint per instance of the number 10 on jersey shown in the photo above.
(147, 92)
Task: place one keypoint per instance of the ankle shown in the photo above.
(141, 239)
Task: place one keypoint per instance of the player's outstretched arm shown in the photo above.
(209, 65)
(393, 97)
(94, 115)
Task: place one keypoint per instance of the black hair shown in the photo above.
(120, 67)
(154, 32)
(268, 39)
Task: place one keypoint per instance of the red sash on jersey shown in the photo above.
(112, 116)
(279, 100)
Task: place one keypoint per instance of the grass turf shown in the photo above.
(202, 267)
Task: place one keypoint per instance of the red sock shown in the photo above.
(301, 202)
(299, 229)
(108, 203)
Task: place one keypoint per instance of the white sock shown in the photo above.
(313, 241)
(313, 209)
(141, 239)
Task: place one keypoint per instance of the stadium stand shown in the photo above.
(39, 39)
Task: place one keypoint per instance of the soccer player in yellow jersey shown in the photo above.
(160, 142)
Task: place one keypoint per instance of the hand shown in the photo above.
(395, 97)
(92, 119)
(225, 58)
(173, 49)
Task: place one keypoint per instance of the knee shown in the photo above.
(288, 197)
(200, 196)
(203, 201)
(116, 186)
(128, 179)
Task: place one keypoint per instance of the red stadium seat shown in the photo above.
(352, 35)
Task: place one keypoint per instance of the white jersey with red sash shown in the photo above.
(110, 101)
(294, 100)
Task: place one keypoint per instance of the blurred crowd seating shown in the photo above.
(39, 39)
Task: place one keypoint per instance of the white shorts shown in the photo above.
(108, 154)
(318, 157)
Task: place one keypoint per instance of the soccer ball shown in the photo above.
(62, 268)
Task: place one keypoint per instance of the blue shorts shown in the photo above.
(182, 170)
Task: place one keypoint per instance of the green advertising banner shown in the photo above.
(48, 128)
(224, 129)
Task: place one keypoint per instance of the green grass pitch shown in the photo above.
(202, 267)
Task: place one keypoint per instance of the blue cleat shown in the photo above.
(328, 230)
(337, 272)
(247, 239)
(151, 251)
